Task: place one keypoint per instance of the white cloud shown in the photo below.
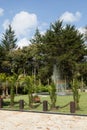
(43, 27)
(82, 30)
(23, 42)
(70, 17)
(23, 22)
(1, 11)
(6, 23)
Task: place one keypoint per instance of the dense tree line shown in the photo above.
(63, 46)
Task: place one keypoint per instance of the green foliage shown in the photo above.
(62, 101)
(37, 37)
(83, 71)
(76, 95)
(3, 84)
(8, 44)
(28, 83)
(9, 40)
(41, 88)
(63, 46)
(53, 96)
(2, 77)
(12, 81)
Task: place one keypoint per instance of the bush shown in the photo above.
(41, 88)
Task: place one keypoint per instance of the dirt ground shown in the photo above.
(14, 120)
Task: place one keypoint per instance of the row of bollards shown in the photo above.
(45, 105)
(72, 106)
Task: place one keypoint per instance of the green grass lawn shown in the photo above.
(61, 102)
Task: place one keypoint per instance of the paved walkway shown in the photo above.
(13, 120)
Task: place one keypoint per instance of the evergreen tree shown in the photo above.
(8, 44)
(8, 40)
(64, 47)
(37, 37)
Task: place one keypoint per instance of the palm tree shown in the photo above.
(53, 96)
(76, 95)
(12, 81)
(28, 83)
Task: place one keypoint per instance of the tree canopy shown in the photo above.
(63, 46)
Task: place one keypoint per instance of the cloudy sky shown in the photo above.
(26, 15)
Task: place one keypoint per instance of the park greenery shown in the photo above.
(29, 70)
(60, 103)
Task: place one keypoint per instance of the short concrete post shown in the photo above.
(1, 102)
(21, 104)
(45, 105)
(72, 107)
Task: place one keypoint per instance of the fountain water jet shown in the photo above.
(58, 81)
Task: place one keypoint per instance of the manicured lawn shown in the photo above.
(62, 101)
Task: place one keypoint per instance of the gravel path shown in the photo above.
(14, 120)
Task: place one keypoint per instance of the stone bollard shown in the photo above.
(1, 102)
(72, 107)
(21, 104)
(45, 105)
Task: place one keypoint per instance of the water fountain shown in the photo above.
(58, 81)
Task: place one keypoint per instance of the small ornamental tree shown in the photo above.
(12, 81)
(76, 95)
(28, 83)
(53, 96)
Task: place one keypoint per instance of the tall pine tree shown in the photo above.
(8, 44)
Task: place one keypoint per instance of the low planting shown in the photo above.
(62, 103)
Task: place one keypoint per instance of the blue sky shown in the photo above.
(26, 15)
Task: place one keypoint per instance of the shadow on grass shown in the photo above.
(7, 105)
(35, 105)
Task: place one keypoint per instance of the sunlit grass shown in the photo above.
(61, 102)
